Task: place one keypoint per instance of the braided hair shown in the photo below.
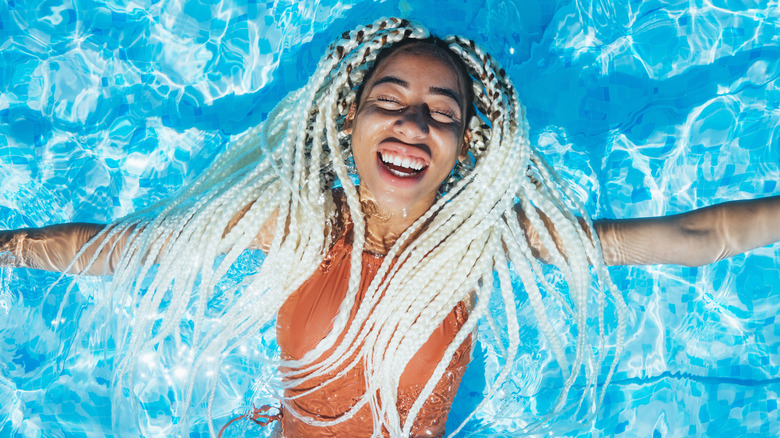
(287, 167)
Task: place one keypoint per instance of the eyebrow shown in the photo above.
(448, 92)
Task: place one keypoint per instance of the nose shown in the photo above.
(412, 122)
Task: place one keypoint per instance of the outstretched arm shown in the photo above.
(53, 248)
(695, 238)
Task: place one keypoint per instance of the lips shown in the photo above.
(402, 167)
(402, 160)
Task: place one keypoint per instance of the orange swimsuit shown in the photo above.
(304, 320)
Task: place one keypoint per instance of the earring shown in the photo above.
(350, 163)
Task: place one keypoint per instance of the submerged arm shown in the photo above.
(53, 248)
(695, 238)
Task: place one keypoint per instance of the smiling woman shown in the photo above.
(408, 128)
(377, 288)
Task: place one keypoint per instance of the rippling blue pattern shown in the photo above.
(645, 107)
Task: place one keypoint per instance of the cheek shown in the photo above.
(360, 149)
(362, 156)
(367, 130)
(362, 129)
(454, 145)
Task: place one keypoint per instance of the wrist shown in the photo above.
(9, 248)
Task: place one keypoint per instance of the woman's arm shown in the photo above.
(695, 238)
(53, 248)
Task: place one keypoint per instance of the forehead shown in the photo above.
(419, 61)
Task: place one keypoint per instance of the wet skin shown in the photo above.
(407, 133)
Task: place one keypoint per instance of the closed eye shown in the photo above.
(388, 102)
(437, 114)
(444, 115)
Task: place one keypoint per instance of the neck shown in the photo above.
(383, 226)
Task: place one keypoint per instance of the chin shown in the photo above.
(395, 202)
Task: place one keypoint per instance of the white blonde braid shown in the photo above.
(288, 165)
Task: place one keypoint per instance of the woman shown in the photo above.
(395, 270)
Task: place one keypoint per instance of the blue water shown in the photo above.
(645, 107)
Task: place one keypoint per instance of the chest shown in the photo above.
(307, 315)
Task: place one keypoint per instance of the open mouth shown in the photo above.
(400, 166)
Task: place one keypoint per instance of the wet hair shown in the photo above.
(287, 166)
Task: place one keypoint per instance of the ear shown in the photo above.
(464, 150)
(348, 122)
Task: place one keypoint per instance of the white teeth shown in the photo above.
(406, 162)
(397, 173)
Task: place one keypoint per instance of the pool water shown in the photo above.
(645, 107)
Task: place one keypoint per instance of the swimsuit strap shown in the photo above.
(257, 415)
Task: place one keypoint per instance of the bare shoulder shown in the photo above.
(335, 228)
(534, 239)
(532, 234)
(266, 234)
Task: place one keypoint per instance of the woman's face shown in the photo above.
(408, 130)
